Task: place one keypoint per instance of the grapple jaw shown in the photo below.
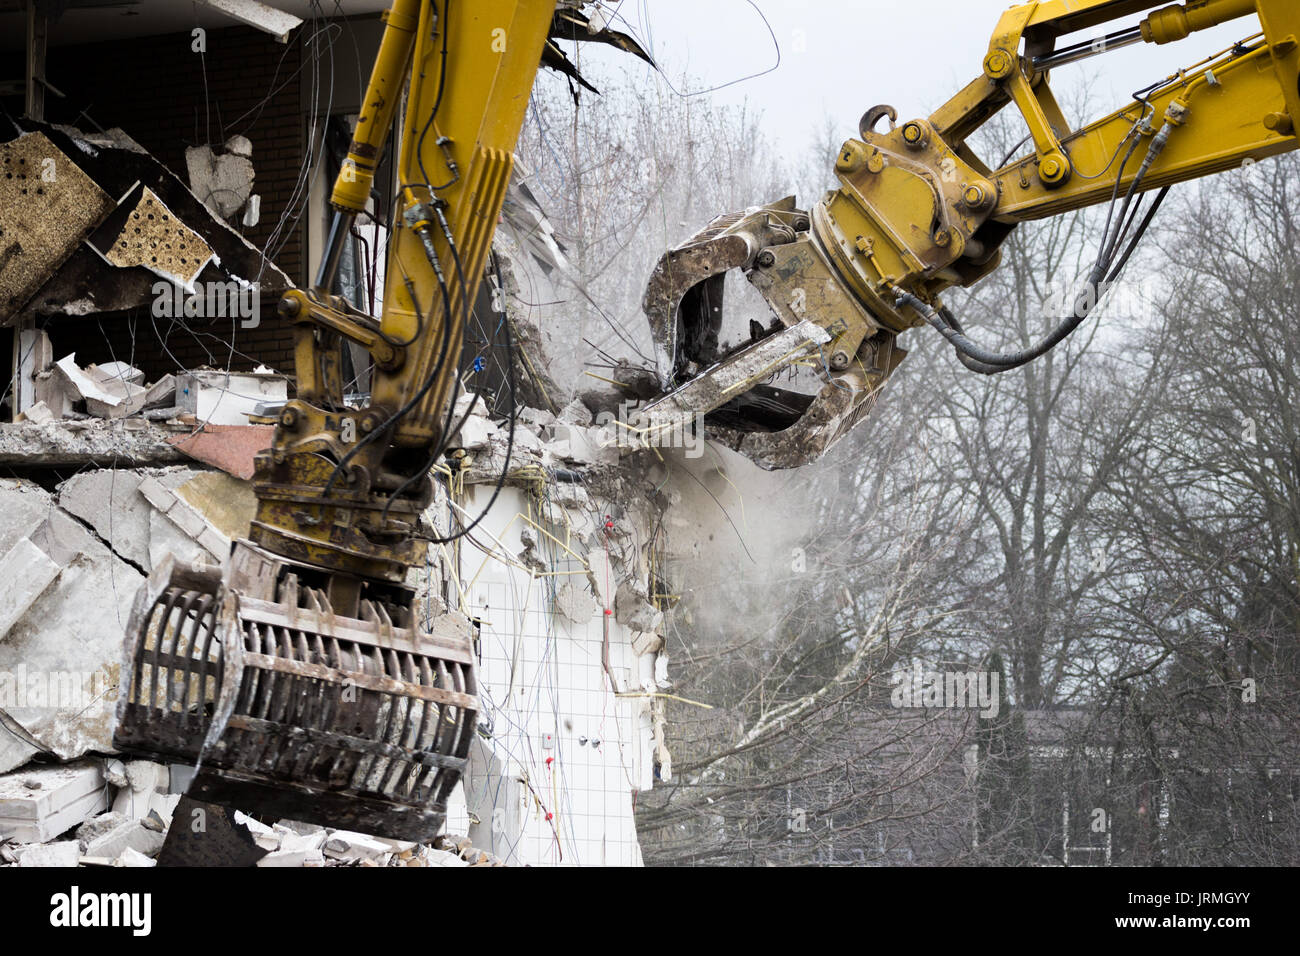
(287, 708)
(818, 322)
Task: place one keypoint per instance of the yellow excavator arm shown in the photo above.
(305, 680)
(918, 212)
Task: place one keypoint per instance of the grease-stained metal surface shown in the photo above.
(290, 709)
(818, 321)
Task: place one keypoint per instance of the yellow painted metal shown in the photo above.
(384, 92)
(917, 209)
(494, 48)
(326, 487)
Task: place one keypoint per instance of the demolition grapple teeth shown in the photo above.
(289, 709)
(819, 322)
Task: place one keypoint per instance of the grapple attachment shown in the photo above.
(289, 709)
(818, 323)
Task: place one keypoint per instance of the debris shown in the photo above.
(184, 517)
(99, 826)
(632, 609)
(144, 792)
(585, 446)
(228, 398)
(645, 643)
(130, 834)
(93, 442)
(28, 571)
(39, 803)
(256, 14)
(41, 227)
(222, 182)
(152, 237)
(119, 371)
(134, 858)
(39, 413)
(355, 847)
(86, 283)
(575, 604)
(161, 392)
(232, 448)
(58, 664)
(575, 413)
(476, 433)
(65, 853)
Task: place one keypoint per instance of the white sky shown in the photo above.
(840, 57)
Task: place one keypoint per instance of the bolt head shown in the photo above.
(997, 63)
(974, 195)
(765, 259)
(840, 360)
(941, 237)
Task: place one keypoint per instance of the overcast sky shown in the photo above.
(838, 57)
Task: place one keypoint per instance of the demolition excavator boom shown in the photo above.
(917, 212)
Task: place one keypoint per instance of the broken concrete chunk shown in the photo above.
(132, 834)
(161, 393)
(476, 433)
(64, 853)
(300, 828)
(442, 858)
(584, 446)
(145, 790)
(289, 858)
(116, 371)
(536, 417)
(575, 604)
(39, 413)
(575, 413)
(632, 609)
(27, 572)
(79, 385)
(644, 643)
(95, 828)
(228, 398)
(62, 797)
(129, 400)
(354, 847)
(222, 182)
(188, 521)
(133, 858)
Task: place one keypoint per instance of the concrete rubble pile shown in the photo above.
(63, 390)
(74, 550)
(104, 811)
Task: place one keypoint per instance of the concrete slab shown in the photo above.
(38, 803)
(65, 853)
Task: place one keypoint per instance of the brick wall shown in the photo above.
(168, 97)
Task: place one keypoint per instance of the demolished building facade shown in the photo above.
(138, 302)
